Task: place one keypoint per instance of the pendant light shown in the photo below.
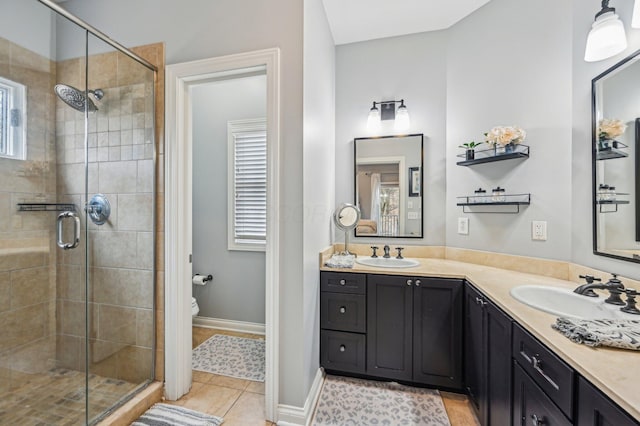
(607, 37)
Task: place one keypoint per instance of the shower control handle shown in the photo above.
(76, 230)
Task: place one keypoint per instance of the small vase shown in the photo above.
(605, 144)
(470, 154)
(509, 148)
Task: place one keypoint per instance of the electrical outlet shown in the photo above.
(463, 225)
(413, 215)
(539, 230)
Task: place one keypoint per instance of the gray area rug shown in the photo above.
(347, 401)
(231, 356)
(172, 415)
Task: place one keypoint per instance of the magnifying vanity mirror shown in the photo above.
(388, 186)
(346, 218)
(616, 160)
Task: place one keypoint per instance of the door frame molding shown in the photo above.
(178, 217)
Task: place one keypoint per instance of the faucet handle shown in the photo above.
(399, 249)
(630, 307)
(615, 282)
(589, 278)
(375, 249)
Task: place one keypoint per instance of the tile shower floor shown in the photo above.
(57, 398)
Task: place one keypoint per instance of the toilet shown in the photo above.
(194, 307)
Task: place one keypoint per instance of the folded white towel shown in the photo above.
(341, 261)
(624, 334)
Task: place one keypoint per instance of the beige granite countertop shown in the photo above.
(615, 371)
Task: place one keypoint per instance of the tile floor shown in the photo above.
(241, 402)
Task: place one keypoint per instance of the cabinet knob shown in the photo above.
(343, 309)
(418, 283)
(343, 348)
(343, 282)
(409, 282)
(537, 421)
(478, 301)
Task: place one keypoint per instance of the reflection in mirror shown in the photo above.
(388, 190)
(616, 107)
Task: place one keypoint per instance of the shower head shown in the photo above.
(76, 99)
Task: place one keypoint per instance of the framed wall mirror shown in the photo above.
(616, 160)
(388, 186)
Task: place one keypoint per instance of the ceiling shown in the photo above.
(359, 20)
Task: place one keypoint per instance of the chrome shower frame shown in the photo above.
(89, 29)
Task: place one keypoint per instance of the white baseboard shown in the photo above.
(289, 415)
(230, 325)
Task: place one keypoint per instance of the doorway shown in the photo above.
(179, 224)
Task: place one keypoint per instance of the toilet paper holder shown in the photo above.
(201, 279)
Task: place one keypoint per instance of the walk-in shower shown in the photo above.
(77, 221)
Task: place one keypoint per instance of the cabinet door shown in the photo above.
(498, 371)
(532, 407)
(389, 325)
(595, 409)
(437, 332)
(475, 348)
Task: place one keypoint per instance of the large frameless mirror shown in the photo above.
(616, 158)
(388, 186)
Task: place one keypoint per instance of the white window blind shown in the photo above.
(12, 119)
(248, 184)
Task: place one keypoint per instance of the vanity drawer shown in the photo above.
(343, 312)
(552, 374)
(339, 282)
(531, 406)
(341, 351)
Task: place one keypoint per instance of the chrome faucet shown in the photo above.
(614, 286)
(386, 249)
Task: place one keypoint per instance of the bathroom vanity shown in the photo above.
(454, 326)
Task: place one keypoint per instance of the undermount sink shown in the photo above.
(564, 302)
(391, 262)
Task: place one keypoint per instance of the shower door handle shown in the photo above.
(76, 230)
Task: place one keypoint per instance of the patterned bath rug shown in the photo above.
(172, 415)
(232, 356)
(354, 402)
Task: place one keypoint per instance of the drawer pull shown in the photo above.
(343, 309)
(409, 282)
(537, 365)
(343, 348)
(537, 421)
(343, 282)
(478, 301)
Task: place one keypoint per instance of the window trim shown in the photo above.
(235, 127)
(16, 136)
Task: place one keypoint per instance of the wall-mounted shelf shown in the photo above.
(489, 155)
(512, 201)
(46, 207)
(615, 203)
(611, 152)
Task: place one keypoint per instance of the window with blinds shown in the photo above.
(12, 120)
(247, 184)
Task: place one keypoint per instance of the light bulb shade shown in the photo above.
(373, 121)
(606, 38)
(402, 122)
(635, 20)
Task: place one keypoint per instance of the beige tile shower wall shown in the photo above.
(120, 159)
(27, 259)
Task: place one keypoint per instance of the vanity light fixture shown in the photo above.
(635, 19)
(607, 37)
(388, 111)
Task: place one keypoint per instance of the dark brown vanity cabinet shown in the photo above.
(595, 409)
(414, 329)
(531, 405)
(394, 327)
(487, 358)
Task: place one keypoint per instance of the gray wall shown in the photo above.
(39, 36)
(318, 176)
(412, 68)
(238, 288)
(513, 73)
(206, 29)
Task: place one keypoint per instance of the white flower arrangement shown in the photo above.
(609, 128)
(504, 135)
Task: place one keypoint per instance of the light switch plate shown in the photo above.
(539, 230)
(413, 215)
(463, 225)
